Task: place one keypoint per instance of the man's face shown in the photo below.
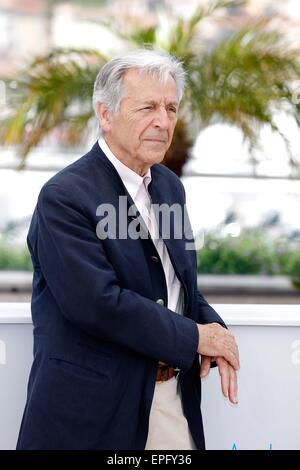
(141, 131)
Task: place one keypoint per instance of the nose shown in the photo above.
(161, 119)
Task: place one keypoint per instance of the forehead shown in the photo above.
(142, 86)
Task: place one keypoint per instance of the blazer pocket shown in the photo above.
(78, 370)
(83, 363)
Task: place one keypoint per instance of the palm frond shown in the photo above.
(244, 80)
(53, 91)
(184, 31)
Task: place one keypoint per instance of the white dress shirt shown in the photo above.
(168, 428)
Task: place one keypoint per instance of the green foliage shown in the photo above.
(292, 264)
(14, 258)
(252, 252)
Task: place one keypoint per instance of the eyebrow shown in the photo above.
(153, 102)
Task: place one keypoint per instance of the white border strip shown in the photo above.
(259, 314)
(11, 312)
(233, 314)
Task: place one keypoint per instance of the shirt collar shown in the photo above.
(130, 178)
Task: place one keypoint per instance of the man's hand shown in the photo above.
(227, 374)
(216, 341)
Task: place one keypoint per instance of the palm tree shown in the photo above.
(243, 79)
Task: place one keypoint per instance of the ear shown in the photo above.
(104, 117)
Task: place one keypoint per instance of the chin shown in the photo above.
(156, 157)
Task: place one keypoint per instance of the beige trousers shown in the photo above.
(168, 427)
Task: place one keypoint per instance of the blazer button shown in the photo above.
(155, 258)
(160, 301)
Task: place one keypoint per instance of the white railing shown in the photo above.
(268, 413)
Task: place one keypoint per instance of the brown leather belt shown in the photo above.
(165, 372)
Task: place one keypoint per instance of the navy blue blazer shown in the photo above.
(99, 331)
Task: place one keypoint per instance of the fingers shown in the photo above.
(228, 380)
(224, 374)
(231, 358)
(205, 366)
(233, 386)
(230, 350)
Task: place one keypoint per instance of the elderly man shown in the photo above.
(119, 326)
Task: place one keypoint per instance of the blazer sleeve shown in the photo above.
(207, 314)
(86, 289)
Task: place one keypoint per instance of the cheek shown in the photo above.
(142, 129)
(171, 130)
(134, 128)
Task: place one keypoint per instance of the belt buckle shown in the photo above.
(177, 370)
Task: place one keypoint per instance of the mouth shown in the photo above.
(163, 141)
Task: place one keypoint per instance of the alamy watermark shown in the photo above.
(163, 221)
(2, 353)
(295, 357)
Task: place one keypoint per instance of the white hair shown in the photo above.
(108, 87)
